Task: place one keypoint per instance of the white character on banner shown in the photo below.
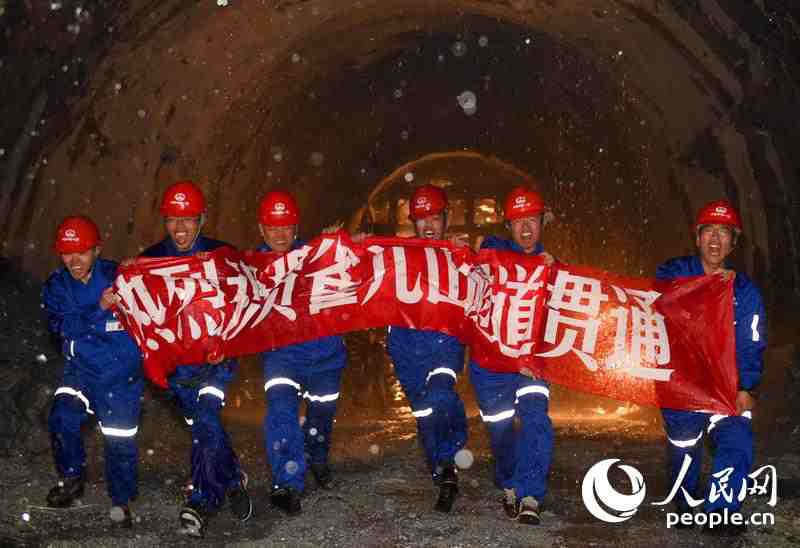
(152, 312)
(404, 294)
(244, 307)
(434, 291)
(648, 333)
(479, 296)
(378, 271)
(516, 304)
(279, 297)
(581, 295)
(333, 286)
(521, 311)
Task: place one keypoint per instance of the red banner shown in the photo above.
(582, 328)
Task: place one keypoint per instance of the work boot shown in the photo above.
(323, 475)
(528, 511)
(65, 493)
(240, 503)
(286, 499)
(510, 503)
(121, 517)
(448, 489)
(193, 520)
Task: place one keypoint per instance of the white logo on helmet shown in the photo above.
(279, 208)
(180, 197)
(70, 235)
(422, 202)
(720, 211)
(519, 201)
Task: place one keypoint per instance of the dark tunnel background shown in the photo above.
(629, 115)
(541, 107)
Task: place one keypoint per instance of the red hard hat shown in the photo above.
(76, 235)
(278, 208)
(183, 199)
(522, 202)
(718, 212)
(427, 200)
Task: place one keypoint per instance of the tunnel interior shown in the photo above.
(540, 105)
(623, 116)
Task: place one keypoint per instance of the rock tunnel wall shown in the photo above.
(630, 113)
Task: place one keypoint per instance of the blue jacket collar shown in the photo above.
(296, 244)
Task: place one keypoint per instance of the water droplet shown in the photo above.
(317, 159)
(398, 93)
(141, 113)
(295, 58)
(150, 452)
(291, 467)
(408, 177)
(483, 41)
(313, 431)
(464, 459)
(459, 48)
(26, 516)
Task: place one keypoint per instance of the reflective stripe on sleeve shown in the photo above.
(422, 412)
(754, 327)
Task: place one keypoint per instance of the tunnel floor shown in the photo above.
(383, 496)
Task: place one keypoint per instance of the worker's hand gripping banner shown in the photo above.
(585, 329)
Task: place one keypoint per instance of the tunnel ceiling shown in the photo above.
(628, 113)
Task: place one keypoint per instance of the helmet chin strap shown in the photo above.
(202, 223)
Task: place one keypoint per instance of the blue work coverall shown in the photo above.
(427, 364)
(200, 392)
(732, 436)
(522, 455)
(311, 371)
(102, 377)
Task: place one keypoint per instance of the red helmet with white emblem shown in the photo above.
(278, 208)
(75, 235)
(183, 199)
(427, 200)
(522, 202)
(718, 212)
